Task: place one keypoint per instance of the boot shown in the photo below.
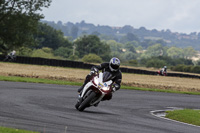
(96, 104)
(80, 89)
(87, 79)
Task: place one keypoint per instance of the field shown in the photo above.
(78, 75)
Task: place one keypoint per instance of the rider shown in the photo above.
(164, 69)
(11, 56)
(113, 68)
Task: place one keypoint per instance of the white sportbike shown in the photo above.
(99, 87)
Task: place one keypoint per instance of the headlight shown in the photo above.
(96, 81)
(105, 88)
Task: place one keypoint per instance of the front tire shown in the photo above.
(87, 101)
(77, 105)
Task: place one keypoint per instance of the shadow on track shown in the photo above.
(98, 112)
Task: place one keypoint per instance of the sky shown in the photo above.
(181, 16)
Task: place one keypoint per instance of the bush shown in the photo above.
(168, 61)
(198, 62)
(182, 61)
(155, 63)
(24, 51)
(178, 68)
(47, 50)
(92, 58)
(44, 53)
(186, 68)
(63, 52)
(133, 62)
(196, 69)
(73, 57)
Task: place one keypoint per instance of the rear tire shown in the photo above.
(87, 101)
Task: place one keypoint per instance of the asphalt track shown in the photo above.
(50, 109)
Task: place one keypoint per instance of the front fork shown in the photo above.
(85, 90)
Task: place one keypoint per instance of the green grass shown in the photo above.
(186, 115)
(159, 90)
(37, 80)
(11, 130)
(62, 82)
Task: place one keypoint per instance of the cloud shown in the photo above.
(176, 15)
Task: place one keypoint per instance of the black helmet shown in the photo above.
(114, 64)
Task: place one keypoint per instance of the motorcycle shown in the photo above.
(162, 73)
(9, 58)
(99, 87)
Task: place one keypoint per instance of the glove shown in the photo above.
(94, 71)
(115, 87)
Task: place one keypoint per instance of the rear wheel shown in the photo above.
(87, 101)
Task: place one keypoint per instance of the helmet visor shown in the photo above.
(116, 67)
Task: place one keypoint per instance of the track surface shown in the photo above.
(50, 109)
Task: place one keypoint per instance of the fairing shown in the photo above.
(100, 83)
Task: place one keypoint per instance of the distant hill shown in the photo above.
(117, 33)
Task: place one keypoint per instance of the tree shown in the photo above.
(50, 37)
(115, 47)
(130, 55)
(175, 52)
(74, 32)
(130, 47)
(92, 44)
(129, 38)
(63, 52)
(147, 43)
(155, 50)
(18, 22)
(95, 33)
(189, 52)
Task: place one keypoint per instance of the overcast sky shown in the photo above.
(177, 15)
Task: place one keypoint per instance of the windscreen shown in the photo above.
(107, 76)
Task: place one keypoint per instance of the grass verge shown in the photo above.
(11, 130)
(186, 115)
(62, 82)
(160, 90)
(37, 80)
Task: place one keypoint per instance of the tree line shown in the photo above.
(90, 48)
(117, 33)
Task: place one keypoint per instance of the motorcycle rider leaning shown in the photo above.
(164, 69)
(113, 68)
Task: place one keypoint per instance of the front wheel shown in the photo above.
(77, 105)
(87, 101)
